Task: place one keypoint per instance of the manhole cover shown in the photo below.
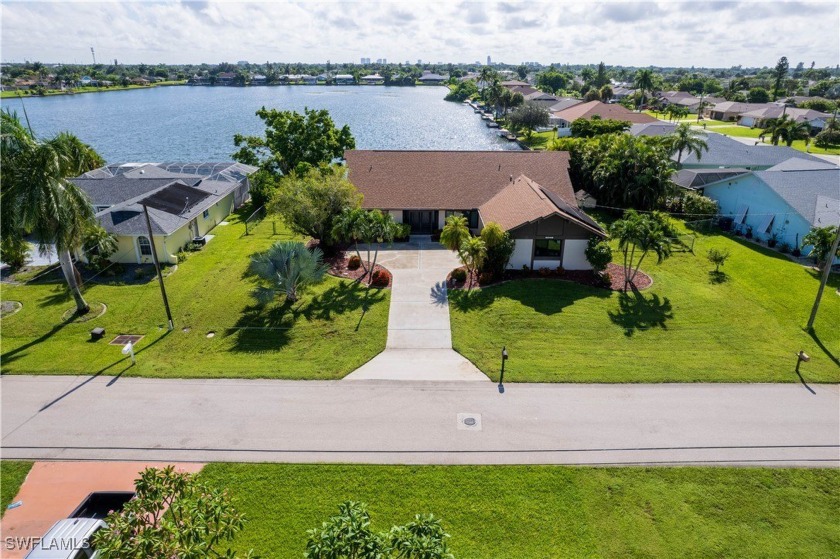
(469, 421)
(123, 339)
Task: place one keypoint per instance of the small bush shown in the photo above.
(544, 272)
(485, 277)
(354, 262)
(784, 248)
(403, 232)
(559, 270)
(181, 256)
(381, 278)
(525, 268)
(14, 251)
(717, 257)
(598, 253)
(796, 252)
(459, 275)
(140, 272)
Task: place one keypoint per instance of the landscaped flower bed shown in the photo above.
(339, 268)
(584, 277)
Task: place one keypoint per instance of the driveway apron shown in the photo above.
(419, 345)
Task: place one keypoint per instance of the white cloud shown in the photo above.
(717, 34)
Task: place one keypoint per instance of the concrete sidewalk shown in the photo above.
(419, 345)
(67, 418)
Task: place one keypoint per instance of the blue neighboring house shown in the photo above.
(785, 201)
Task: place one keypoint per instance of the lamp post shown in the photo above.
(504, 358)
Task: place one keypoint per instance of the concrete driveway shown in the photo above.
(419, 343)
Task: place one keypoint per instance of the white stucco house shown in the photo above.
(529, 194)
(185, 202)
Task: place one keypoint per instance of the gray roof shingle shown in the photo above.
(726, 152)
(814, 194)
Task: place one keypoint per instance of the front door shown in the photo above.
(422, 222)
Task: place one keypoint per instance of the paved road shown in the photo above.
(418, 422)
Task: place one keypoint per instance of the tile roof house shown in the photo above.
(564, 119)
(528, 193)
(430, 78)
(725, 152)
(731, 110)
(758, 117)
(783, 202)
(202, 194)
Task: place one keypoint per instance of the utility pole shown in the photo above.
(157, 268)
(93, 54)
(826, 270)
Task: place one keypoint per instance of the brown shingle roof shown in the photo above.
(524, 201)
(455, 180)
(604, 110)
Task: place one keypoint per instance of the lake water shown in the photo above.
(198, 123)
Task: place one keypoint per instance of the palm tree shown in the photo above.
(793, 131)
(686, 139)
(290, 267)
(38, 198)
(473, 252)
(455, 233)
(776, 127)
(643, 233)
(643, 82)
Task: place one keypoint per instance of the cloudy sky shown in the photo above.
(696, 33)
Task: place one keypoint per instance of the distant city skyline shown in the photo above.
(701, 34)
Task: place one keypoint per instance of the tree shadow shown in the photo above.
(545, 296)
(438, 294)
(268, 327)
(834, 358)
(636, 312)
(60, 295)
(717, 278)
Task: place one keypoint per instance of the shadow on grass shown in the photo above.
(821, 345)
(268, 327)
(637, 312)
(718, 277)
(546, 296)
(102, 371)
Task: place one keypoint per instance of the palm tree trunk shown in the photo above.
(69, 271)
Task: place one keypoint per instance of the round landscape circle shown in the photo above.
(470, 421)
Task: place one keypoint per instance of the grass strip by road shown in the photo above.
(551, 511)
(12, 474)
(690, 326)
(334, 328)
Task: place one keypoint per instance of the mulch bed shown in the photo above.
(338, 268)
(584, 277)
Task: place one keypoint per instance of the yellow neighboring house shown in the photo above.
(185, 202)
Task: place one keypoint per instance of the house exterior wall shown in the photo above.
(574, 255)
(747, 121)
(522, 251)
(216, 213)
(761, 201)
(396, 214)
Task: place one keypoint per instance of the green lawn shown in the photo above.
(333, 329)
(747, 132)
(541, 512)
(539, 140)
(687, 327)
(12, 474)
